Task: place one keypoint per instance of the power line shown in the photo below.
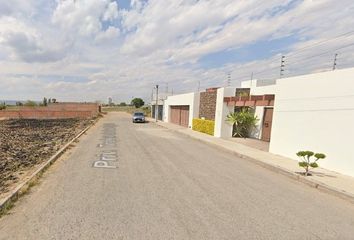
(301, 59)
(320, 43)
(266, 70)
(324, 53)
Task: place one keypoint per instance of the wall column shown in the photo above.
(222, 128)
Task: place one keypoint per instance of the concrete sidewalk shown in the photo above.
(322, 179)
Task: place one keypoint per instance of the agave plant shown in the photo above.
(243, 122)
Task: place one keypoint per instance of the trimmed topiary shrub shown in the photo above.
(307, 161)
(204, 126)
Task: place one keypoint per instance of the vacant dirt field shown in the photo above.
(26, 143)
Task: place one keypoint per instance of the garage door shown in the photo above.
(180, 115)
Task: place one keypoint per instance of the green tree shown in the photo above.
(137, 102)
(45, 101)
(30, 103)
(123, 104)
(306, 160)
(243, 122)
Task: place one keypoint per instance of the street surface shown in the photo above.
(141, 181)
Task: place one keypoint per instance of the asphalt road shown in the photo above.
(164, 185)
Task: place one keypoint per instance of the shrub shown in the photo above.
(204, 126)
(306, 161)
(243, 122)
(30, 103)
(2, 106)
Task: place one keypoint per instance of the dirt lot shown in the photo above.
(26, 143)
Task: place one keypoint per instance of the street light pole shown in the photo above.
(157, 103)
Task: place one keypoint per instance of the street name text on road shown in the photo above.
(107, 156)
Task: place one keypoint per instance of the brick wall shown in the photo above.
(93, 107)
(54, 111)
(207, 104)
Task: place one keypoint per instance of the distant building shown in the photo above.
(160, 102)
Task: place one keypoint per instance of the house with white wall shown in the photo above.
(211, 105)
(263, 113)
(310, 112)
(156, 104)
(181, 109)
(316, 112)
(259, 96)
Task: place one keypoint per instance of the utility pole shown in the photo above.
(251, 78)
(335, 61)
(282, 65)
(198, 86)
(157, 103)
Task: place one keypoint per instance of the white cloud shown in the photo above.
(111, 12)
(84, 16)
(110, 34)
(123, 53)
(26, 43)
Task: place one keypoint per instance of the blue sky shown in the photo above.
(87, 50)
(124, 4)
(262, 49)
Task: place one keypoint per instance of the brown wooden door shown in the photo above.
(180, 115)
(175, 115)
(267, 124)
(184, 116)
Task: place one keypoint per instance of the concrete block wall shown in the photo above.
(93, 107)
(222, 128)
(316, 112)
(53, 111)
(34, 114)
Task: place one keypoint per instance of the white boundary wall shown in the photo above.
(190, 99)
(316, 112)
(222, 128)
